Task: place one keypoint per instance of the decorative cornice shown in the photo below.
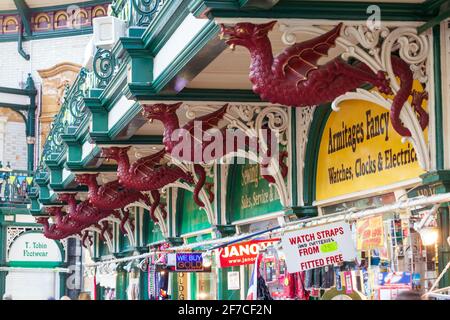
(59, 68)
(49, 21)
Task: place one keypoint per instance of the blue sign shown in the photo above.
(393, 278)
(189, 262)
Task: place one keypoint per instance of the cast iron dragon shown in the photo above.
(166, 113)
(293, 78)
(145, 174)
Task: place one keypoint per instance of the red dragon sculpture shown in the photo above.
(55, 233)
(52, 231)
(293, 78)
(145, 174)
(64, 223)
(87, 215)
(111, 195)
(166, 113)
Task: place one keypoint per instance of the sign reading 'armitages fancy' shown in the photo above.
(319, 246)
(360, 150)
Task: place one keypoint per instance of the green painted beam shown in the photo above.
(22, 92)
(443, 15)
(25, 15)
(187, 94)
(312, 9)
(134, 140)
(15, 106)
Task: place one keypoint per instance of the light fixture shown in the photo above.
(143, 265)
(207, 261)
(429, 235)
(202, 295)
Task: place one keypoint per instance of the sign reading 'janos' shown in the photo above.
(360, 150)
(319, 246)
(242, 253)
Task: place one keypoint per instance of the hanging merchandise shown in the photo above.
(133, 285)
(302, 293)
(348, 282)
(337, 272)
(289, 285)
(263, 290)
(327, 277)
(151, 276)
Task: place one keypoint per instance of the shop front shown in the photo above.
(362, 165)
(34, 266)
(253, 207)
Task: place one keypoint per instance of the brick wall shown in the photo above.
(15, 146)
(44, 53)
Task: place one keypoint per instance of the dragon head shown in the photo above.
(160, 111)
(245, 34)
(115, 152)
(86, 179)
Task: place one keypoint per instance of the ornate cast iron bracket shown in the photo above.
(414, 49)
(252, 119)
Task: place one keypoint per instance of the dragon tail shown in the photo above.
(200, 172)
(401, 69)
(156, 201)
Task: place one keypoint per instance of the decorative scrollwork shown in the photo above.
(75, 98)
(145, 11)
(104, 67)
(252, 119)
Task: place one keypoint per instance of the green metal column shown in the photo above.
(443, 246)
(3, 274)
(31, 119)
(121, 283)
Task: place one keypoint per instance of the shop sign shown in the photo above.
(233, 280)
(34, 249)
(369, 233)
(189, 262)
(242, 253)
(360, 150)
(394, 278)
(182, 285)
(319, 246)
(252, 195)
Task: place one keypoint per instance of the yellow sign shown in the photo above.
(182, 285)
(369, 233)
(360, 150)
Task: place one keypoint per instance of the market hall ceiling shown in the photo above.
(10, 5)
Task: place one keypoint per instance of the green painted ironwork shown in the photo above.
(145, 10)
(104, 67)
(72, 113)
(139, 13)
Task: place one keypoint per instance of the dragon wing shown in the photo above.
(209, 120)
(110, 189)
(144, 166)
(298, 60)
